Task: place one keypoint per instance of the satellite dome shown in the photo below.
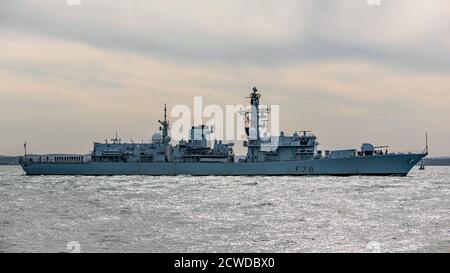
(157, 138)
(367, 147)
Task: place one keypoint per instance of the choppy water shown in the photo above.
(225, 214)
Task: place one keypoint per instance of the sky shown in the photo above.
(348, 71)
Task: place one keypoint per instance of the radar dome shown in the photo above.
(367, 147)
(157, 138)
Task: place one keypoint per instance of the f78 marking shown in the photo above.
(304, 169)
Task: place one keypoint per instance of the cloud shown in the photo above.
(66, 90)
(350, 72)
(261, 32)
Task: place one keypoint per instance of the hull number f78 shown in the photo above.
(304, 169)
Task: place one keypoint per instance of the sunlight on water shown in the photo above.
(225, 214)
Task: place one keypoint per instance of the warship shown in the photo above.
(294, 155)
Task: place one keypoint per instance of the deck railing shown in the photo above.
(56, 158)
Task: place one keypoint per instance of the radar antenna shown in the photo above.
(116, 140)
(255, 116)
(165, 124)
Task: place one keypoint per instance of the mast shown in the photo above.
(422, 163)
(254, 102)
(165, 125)
(116, 140)
(252, 129)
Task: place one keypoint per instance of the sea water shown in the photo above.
(225, 214)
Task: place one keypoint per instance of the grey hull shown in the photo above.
(392, 164)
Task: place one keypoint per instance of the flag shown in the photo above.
(25, 145)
